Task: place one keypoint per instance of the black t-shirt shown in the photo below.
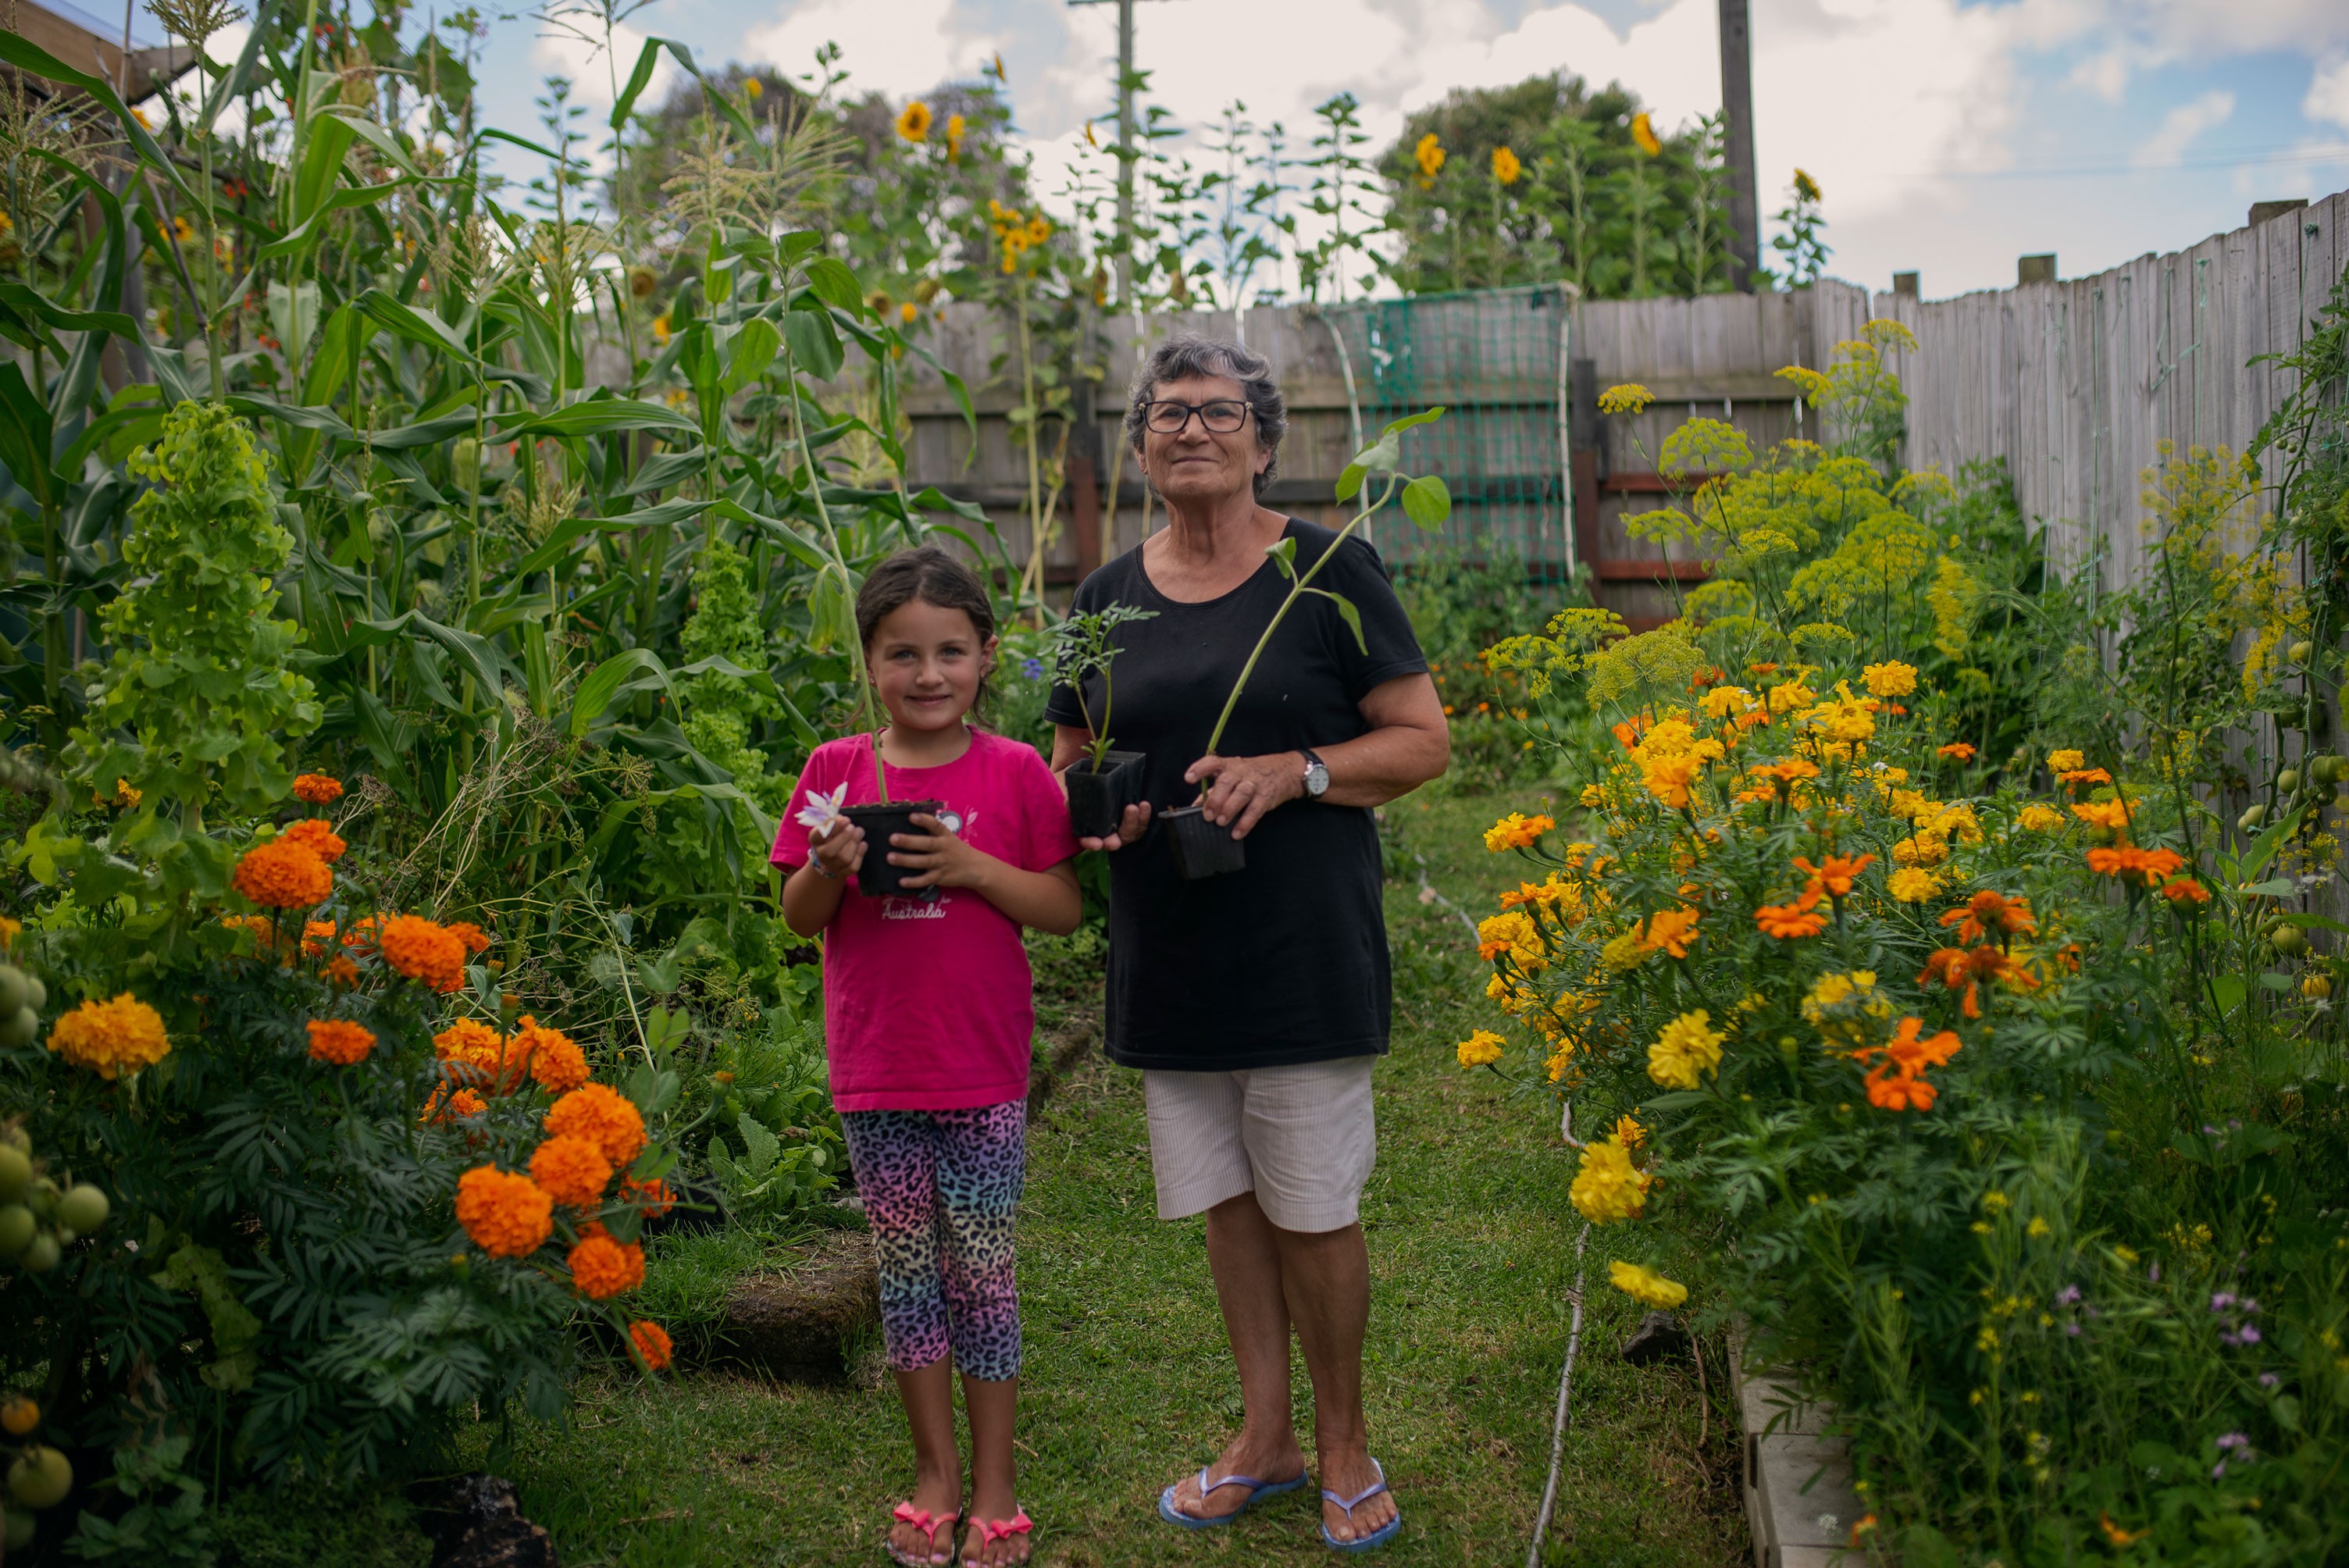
(1285, 961)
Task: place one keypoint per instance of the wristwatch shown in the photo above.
(1316, 774)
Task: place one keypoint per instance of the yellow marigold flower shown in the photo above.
(1481, 1049)
(1891, 679)
(753, 87)
(508, 1215)
(319, 837)
(1646, 1286)
(1726, 702)
(1560, 1061)
(126, 797)
(424, 950)
(1925, 849)
(908, 314)
(1630, 397)
(1790, 695)
(661, 329)
(573, 1171)
(9, 930)
(1839, 1005)
(112, 1039)
(555, 1059)
(1912, 885)
(1623, 954)
(1609, 1187)
(1040, 229)
(914, 124)
(1686, 1049)
(653, 1347)
(956, 129)
(1516, 831)
(603, 1268)
(340, 1041)
(2066, 760)
(1512, 934)
(1644, 132)
(317, 789)
(605, 1118)
(282, 873)
(1428, 155)
(2110, 814)
(1505, 167)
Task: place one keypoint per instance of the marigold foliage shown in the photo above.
(112, 1039)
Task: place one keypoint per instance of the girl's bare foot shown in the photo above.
(923, 1530)
(996, 1534)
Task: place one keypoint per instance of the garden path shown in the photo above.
(1472, 1249)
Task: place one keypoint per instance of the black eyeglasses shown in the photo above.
(1223, 416)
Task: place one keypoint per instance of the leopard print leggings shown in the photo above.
(941, 1188)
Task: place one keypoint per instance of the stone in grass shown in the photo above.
(799, 1325)
(473, 1522)
(1659, 1335)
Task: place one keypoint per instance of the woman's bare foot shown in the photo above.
(1007, 1547)
(1347, 1471)
(941, 1497)
(1272, 1460)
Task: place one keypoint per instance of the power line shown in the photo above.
(2335, 153)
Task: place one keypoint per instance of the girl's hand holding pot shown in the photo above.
(942, 859)
(839, 851)
(1245, 787)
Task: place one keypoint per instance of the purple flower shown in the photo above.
(2232, 1440)
(2222, 1301)
(2067, 1295)
(2269, 1379)
(1033, 668)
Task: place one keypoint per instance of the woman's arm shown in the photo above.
(1408, 743)
(1048, 899)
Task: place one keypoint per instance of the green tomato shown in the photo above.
(17, 1228)
(2290, 941)
(17, 1530)
(15, 1174)
(15, 992)
(2300, 652)
(43, 1255)
(2250, 820)
(40, 1477)
(2288, 780)
(40, 993)
(84, 1208)
(19, 1028)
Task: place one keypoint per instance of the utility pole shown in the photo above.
(1125, 150)
(1737, 139)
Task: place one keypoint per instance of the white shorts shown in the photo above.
(1302, 1138)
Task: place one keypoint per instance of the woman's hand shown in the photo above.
(1130, 826)
(1245, 787)
(841, 852)
(941, 858)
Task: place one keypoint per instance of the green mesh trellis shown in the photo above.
(1491, 359)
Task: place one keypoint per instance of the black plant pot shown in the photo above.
(1201, 848)
(1098, 798)
(877, 877)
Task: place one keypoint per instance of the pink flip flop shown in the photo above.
(923, 1520)
(991, 1530)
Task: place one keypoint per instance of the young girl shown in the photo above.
(927, 1016)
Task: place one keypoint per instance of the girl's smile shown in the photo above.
(928, 662)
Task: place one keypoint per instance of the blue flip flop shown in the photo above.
(1256, 1489)
(1375, 1538)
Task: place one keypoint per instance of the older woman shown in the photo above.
(1254, 1003)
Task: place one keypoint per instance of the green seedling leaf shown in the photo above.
(1427, 502)
(751, 349)
(2275, 887)
(1349, 483)
(1347, 612)
(835, 285)
(1424, 417)
(2227, 993)
(1284, 555)
(816, 347)
(1380, 457)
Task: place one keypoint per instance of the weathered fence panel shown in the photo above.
(2074, 383)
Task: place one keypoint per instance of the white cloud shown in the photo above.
(2181, 125)
(2328, 93)
(2106, 75)
(577, 51)
(898, 46)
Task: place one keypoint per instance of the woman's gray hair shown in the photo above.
(1187, 355)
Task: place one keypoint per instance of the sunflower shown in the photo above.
(914, 124)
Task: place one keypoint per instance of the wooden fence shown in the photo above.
(2074, 383)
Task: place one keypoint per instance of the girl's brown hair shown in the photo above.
(933, 577)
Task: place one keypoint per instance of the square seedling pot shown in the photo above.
(1201, 848)
(1098, 799)
(877, 878)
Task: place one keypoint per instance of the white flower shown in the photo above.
(821, 812)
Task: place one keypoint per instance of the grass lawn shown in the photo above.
(1128, 1383)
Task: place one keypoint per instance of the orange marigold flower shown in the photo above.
(263, 930)
(110, 1039)
(2078, 775)
(603, 1268)
(1791, 770)
(651, 1341)
(2128, 862)
(2112, 814)
(1900, 1093)
(423, 950)
(1788, 920)
(1836, 872)
(317, 789)
(555, 1059)
(1988, 915)
(1895, 1083)
(573, 1171)
(1960, 970)
(508, 1215)
(654, 1197)
(2184, 891)
(342, 971)
(602, 1115)
(1960, 750)
(315, 935)
(282, 873)
(1670, 931)
(479, 1056)
(475, 939)
(454, 1105)
(340, 1041)
(322, 839)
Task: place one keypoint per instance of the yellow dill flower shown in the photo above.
(1631, 397)
(1480, 1048)
(1685, 1050)
(914, 124)
(1911, 884)
(1892, 679)
(1646, 1286)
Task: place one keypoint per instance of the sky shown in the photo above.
(1948, 137)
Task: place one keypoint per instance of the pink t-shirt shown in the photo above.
(929, 1005)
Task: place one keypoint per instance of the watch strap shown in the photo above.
(1313, 761)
